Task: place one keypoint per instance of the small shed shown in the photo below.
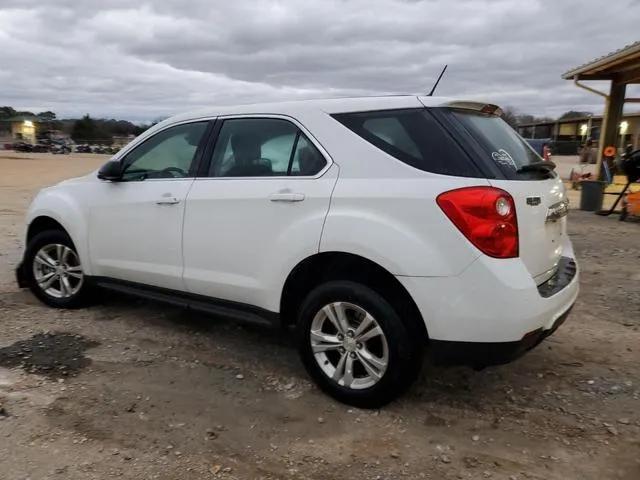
(24, 128)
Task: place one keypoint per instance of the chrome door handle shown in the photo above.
(286, 197)
(168, 201)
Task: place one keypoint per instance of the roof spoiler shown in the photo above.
(482, 107)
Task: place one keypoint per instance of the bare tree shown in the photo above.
(574, 114)
(509, 116)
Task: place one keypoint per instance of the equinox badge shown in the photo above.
(556, 211)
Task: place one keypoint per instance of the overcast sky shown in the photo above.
(143, 59)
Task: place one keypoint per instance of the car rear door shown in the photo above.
(256, 209)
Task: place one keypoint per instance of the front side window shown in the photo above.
(168, 154)
(263, 147)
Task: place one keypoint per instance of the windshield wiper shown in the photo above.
(545, 166)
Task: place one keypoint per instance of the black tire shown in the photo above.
(405, 351)
(53, 237)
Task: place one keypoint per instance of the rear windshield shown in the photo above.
(499, 141)
(414, 137)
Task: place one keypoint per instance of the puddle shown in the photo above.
(53, 355)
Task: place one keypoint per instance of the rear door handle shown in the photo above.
(286, 197)
(168, 201)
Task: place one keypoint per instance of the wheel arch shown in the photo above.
(42, 223)
(326, 266)
(60, 215)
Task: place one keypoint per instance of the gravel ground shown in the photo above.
(135, 390)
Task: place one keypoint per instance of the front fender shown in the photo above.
(64, 208)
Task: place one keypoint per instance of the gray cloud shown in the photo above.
(142, 60)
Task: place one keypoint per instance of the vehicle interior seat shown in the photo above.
(247, 156)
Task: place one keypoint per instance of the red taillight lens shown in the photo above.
(486, 216)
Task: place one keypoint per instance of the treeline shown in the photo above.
(514, 119)
(82, 130)
(100, 130)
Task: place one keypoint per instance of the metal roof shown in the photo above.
(326, 105)
(624, 62)
(22, 118)
(627, 116)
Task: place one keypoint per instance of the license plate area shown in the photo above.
(565, 273)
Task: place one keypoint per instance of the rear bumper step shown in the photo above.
(484, 354)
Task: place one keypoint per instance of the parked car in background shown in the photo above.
(21, 146)
(83, 149)
(538, 144)
(379, 228)
(41, 147)
(101, 149)
(60, 148)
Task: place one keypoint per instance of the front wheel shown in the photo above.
(355, 346)
(53, 270)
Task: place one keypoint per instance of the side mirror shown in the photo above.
(111, 171)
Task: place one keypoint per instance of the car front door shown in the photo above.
(135, 225)
(255, 211)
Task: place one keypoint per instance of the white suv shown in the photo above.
(380, 227)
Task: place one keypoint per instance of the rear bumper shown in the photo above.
(485, 354)
(494, 305)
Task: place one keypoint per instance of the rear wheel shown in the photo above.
(54, 272)
(355, 346)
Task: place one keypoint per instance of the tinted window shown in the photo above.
(259, 147)
(307, 160)
(391, 130)
(167, 154)
(412, 136)
(278, 150)
(500, 143)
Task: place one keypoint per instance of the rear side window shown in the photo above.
(263, 147)
(500, 143)
(412, 136)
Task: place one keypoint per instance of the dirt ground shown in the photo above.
(135, 390)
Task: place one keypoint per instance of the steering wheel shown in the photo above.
(177, 170)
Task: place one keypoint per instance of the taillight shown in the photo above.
(486, 216)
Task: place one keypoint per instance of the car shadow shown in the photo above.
(512, 386)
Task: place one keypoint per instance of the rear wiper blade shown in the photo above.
(545, 166)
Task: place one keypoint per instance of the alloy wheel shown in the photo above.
(57, 271)
(349, 345)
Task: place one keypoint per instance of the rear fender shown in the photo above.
(398, 224)
(398, 247)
